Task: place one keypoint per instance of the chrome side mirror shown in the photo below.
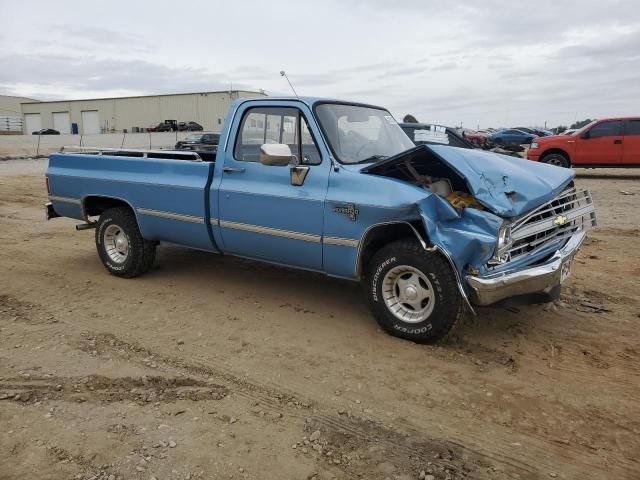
(275, 154)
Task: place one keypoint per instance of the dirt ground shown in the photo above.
(213, 367)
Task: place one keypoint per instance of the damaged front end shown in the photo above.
(509, 226)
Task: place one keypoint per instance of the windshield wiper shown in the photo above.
(371, 159)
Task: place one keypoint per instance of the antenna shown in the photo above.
(284, 74)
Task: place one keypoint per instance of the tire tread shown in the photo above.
(143, 251)
(453, 309)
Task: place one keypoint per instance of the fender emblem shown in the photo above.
(560, 220)
(349, 210)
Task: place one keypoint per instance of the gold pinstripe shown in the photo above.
(170, 215)
(75, 201)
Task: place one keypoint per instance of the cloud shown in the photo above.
(87, 74)
(487, 63)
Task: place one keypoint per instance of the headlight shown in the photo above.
(504, 244)
(534, 145)
(504, 237)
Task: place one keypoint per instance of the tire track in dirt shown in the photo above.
(100, 389)
(274, 400)
(409, 446)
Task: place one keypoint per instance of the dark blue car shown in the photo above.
(511, 137)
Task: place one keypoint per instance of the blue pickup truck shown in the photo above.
(337, 187)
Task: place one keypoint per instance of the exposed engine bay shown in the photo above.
(422, 168)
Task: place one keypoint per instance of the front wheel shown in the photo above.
(413, 293)
(120, 245)
(556, 159)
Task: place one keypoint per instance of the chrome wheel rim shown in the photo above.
(116, 243)
(408, 294)
(556, 161)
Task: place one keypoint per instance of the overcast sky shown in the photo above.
(490, 63)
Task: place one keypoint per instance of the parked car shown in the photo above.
(610, 142)
(511, 137)
(189, 127)
(477, 138)
(538, 132)
(427, 229)
(430, 134)
(199, 140)
(165, 126)
(46, 131)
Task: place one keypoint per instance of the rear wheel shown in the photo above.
(556, 159)
(120, 245)
(413, 293)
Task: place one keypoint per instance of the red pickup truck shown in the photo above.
(611, 142)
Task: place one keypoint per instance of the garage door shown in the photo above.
(90, 122)
(32, 123)
(62, 122)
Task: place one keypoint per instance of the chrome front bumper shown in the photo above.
(541, 278)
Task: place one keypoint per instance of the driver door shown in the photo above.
(261, 213)
(601, 145)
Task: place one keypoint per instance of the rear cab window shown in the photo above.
(633, 127)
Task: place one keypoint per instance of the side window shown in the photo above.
(633, 127)
(606, 129)
(262, 125)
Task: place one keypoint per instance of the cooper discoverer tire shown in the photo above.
(120, 245)
(413, 293)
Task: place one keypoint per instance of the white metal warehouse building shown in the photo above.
(103, 115)
(11, 113)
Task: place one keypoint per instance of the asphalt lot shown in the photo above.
(213, 367)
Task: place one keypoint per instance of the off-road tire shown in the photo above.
(448, 306)
(556, 159)
(141, 252)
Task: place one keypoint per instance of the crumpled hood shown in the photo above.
(507, 186)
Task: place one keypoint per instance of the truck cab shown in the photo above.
(611, 142)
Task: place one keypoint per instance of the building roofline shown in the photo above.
(33, 100)
(258, 92)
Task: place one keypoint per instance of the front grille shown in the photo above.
(568, 213)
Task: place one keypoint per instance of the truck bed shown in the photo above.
(167, 190)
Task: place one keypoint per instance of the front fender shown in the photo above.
(467, 237)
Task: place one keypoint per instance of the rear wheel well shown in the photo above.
(94, 205)
(381, 235)
(556, 151)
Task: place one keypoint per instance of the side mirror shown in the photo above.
(275, 154)
(586, 136)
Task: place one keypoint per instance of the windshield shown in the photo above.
(194, 137)
(580, 131)
(358, 134)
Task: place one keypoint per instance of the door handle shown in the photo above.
(232, 170)
(617, 142)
